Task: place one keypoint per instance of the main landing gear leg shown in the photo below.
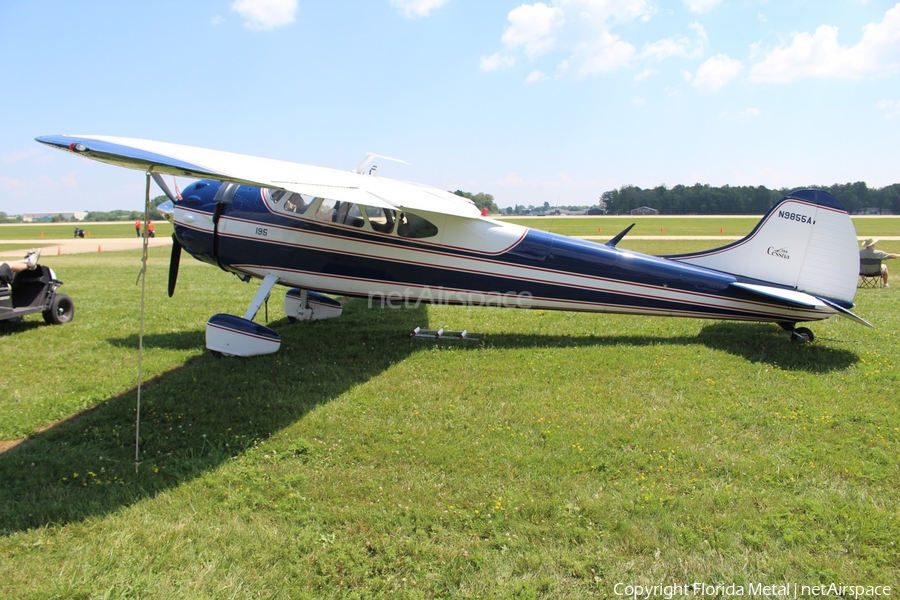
(307, 305)
(801, 335)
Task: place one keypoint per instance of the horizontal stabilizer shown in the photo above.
(792, 297)
(847, 314)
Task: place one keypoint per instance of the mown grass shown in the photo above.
(668, 226)
(557, 456)
(35, 231)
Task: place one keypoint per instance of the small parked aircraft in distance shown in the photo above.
(352, 233)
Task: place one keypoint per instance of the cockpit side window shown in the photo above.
(288, 202)
(381, 219)
(414, 226)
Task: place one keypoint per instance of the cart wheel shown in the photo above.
(61, 310)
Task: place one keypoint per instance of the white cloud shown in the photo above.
(512, 178)
(18, 188)
(262, 15)
(604, 54)
(412, 9)
(536, 76)
(9, 184)
(638, 101)
(645, 74)
(680, 46)
(496, 61)
(889, 108)
(701, 6)
(600, 13)
(716, 72)
(820, 54)
(700, 31)
(662, 49)
(747, 113)
(22, 155)
(533, 26)
(579, 30)
(217, 20)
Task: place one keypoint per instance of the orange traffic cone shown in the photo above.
(98, 249)
(58, 250)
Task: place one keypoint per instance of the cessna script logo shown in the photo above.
(778, 252)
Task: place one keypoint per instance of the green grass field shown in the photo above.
(36, 231)
(581, 226)
(713, 226)
(558, 456)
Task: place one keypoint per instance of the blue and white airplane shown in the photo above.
(351, 233)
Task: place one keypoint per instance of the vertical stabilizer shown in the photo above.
(806, 242)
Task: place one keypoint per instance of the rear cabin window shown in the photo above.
(413, 226)
(327, 210)
(382, 220)
(349, 214)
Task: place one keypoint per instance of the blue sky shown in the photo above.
(553, 101)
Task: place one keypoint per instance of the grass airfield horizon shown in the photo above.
(558, 456)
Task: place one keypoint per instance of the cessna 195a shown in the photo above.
(355, 234)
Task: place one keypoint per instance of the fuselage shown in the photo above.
(392, 256)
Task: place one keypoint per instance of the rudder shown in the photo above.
(806, 242)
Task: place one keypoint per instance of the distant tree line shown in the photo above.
(480, 199)
(698, 199)
(545, 209)
(703, 199)
(127, 215)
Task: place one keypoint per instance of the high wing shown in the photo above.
(190, 161)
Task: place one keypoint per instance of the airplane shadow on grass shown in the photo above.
(198, 416)
(755, 342)
(193, 418)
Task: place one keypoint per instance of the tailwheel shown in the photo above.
(802, 335)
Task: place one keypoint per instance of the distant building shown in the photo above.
(873, 210)
(47, 217)
(645, 210)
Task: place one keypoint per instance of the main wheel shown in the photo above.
(802, 335)
(62, 310)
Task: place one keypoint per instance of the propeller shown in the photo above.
(163, 186)
(174, 261)
(167, 209)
